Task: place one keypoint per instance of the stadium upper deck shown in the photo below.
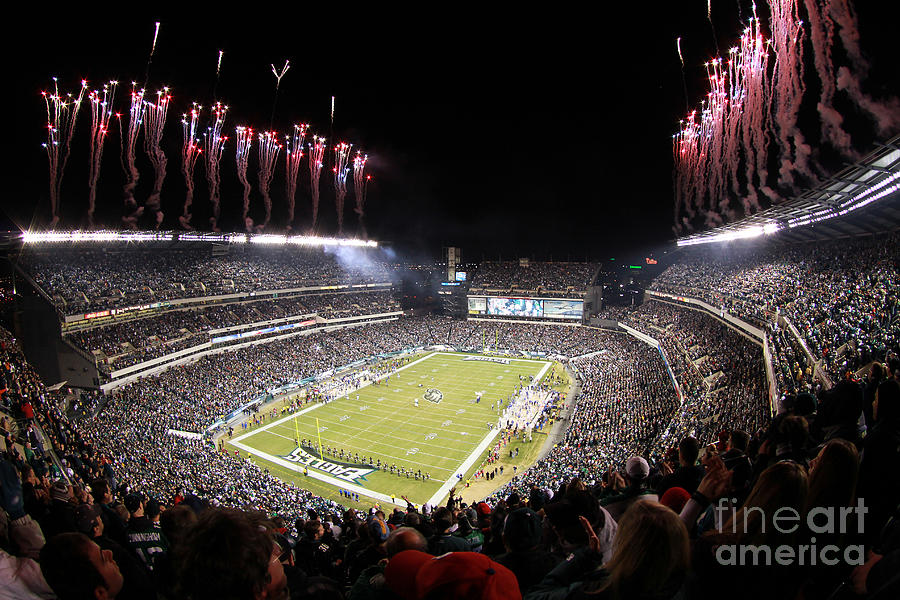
(534, 279)
(87, 277)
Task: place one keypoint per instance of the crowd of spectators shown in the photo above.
(843, 296)
(537, 278)
(85, 278)
(144, 515)
(120, 345)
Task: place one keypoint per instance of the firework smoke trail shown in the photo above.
(213, 146)
(129, 145)
(62, 112)
(360, 180)
(101, 112)
(316, 156)
(154, 124)
(788, 91)
(244, 140)
(150, 58)
(683, 79)
(341, 155)
(886, 114)
(711, 26)
(190, 150)
(293, 148)
(821, 30)
(268, 155)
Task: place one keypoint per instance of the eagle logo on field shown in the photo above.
(433, 395)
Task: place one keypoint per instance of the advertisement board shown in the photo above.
(563, 309)
(477, 305)
(516, 307)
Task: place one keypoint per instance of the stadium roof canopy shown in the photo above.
(831, 210)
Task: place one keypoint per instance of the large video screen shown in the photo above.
(563, 309)
(477, 306)
(460, 276)
(515, 307)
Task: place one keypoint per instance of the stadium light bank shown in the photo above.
(55, 237)
(886, 187)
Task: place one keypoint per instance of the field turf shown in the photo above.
(439, 438)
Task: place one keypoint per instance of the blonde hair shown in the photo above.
(651, 551)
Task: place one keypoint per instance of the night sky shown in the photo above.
(506, 133)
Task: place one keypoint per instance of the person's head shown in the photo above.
(134, 503)
(76, 568)
(886, 407)
(688, 451)
(442, 519)
(739, 440)
(88, 521)
(101, 492)
(563, 517)
(314, 530)
(637, 470)
(405, 538)
(784, 484)
(175, 523)
(378, 531)
(833, 474)
(228, 555)
(522, 530)
(651, 552)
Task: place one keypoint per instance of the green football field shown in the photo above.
(444, 435)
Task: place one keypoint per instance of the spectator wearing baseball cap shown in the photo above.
(637, 473)
(145, 536)
(522, 533)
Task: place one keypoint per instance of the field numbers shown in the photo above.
(412, 451)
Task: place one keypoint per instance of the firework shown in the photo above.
(154, 123)
(62, 112)
(341, 155)
(213, 146)
(129, 145)
(268, 155)
(316, 156)
(190, 150)
(244, 140)
(360, 181)
(293, 152)
(279, 75)
(101, 112)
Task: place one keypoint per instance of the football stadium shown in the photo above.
(332, 334)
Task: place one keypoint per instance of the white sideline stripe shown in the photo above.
(453, 481)
(316, 475)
